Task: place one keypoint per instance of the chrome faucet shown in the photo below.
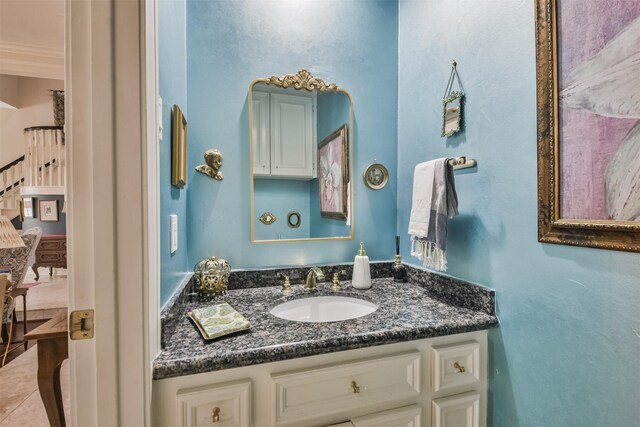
(312, 276)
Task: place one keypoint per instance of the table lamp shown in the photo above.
(9, 237)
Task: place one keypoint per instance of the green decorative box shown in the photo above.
(217, 320)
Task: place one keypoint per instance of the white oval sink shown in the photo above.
(323, 309)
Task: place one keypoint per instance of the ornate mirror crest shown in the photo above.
(302, 80)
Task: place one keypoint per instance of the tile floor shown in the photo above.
(20, 403)
(46, 298)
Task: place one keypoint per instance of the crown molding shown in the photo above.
(31, 61)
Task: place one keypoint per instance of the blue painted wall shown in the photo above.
(281, 196)
(568, 345)
(48, 227)
(333, 112)
(352, 43)
(172, 58)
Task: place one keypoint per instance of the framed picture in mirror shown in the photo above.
(333, 177)
(588, 123)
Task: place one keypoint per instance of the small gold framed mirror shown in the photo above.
(452, 105)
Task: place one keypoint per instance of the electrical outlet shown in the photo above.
(174, 232)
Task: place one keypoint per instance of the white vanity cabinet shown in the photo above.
(283, 139)
(430, 382)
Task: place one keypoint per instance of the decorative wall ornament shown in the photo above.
(585, 111)
(376, 176)
(211, 276)
(267, 218)
(213, 160)
(302, 80)
(452, 105)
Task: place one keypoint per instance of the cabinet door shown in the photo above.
(460, 410)
(291, 136)
(260, 137)
(409, 416)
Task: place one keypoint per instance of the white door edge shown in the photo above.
(112, 218)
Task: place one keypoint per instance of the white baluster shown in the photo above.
(58, 155)
(50, 136)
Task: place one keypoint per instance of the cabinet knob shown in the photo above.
(355, 387)
(459, 367)
(215, 415)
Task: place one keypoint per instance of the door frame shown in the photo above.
(112, 200)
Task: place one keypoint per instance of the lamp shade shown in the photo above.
(9, 237)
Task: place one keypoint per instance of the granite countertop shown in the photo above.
(407, 311)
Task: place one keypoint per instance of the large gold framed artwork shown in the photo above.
(588, 75)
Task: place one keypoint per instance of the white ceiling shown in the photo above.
(34, 23)
(32, 38)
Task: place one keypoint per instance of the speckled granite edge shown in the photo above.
(172, 309)
(453, 291)
(405, 312)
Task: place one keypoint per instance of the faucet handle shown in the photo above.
(335, 283)
(286, 285)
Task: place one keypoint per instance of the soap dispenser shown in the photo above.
(361, 272)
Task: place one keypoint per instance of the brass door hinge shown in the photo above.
(81, 325)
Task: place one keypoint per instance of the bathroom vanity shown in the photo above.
(420, 359)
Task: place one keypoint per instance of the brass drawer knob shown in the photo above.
(459, 367)
(355, 387)
(215, 415)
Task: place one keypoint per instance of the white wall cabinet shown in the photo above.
(438, 382)
(283, 136)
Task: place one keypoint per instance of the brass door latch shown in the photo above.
(81, 325)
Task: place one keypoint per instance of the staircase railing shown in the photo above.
(43, 165)
(11, 177)
(45, 147)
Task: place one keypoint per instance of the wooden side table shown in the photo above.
(51, 252)
(52, 350)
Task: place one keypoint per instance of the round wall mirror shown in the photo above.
(293, 219)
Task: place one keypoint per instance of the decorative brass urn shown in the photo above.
(211, 276)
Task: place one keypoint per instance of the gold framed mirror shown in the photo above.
(581, 116)
(301, 141)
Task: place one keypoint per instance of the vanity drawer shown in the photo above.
(333, 390)
(409, 416)
(220, 405)
(455, 365)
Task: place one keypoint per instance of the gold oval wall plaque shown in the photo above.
(376, 176)
(268, 218)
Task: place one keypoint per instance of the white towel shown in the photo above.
(434, 202)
